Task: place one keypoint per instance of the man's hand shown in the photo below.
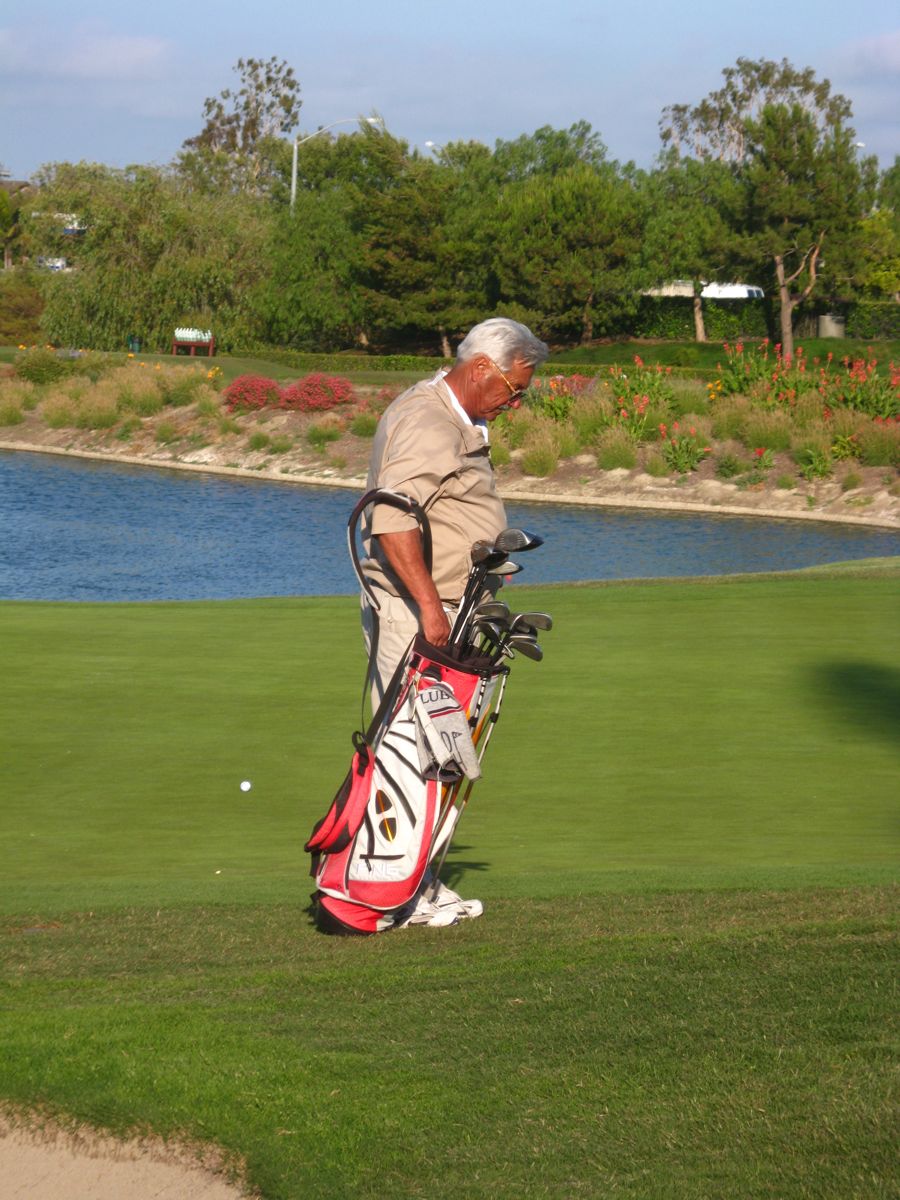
(434, 624)
(404, 552)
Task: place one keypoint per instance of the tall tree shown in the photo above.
(548, 151)
(690, 228)
(788, 140)
(567, 251)
(803, 188)
(241, 141)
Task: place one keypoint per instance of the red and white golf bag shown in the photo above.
(391, 818)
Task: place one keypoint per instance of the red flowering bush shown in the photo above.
(317, 393)
(860, 386)
(249, 393)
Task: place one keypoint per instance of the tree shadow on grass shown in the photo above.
(867, 694)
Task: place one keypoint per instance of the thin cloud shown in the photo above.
(87, 54)
(114, 56)
(877, 56)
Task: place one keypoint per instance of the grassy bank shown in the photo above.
(681, 986)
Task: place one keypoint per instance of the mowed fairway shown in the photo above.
(683, 984)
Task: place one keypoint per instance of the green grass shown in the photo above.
(681, 987)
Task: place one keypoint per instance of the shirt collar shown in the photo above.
(482, 425)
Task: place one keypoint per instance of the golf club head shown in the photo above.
(525, 646)
(492, 610)
(507, 567)
(485, 555)
(535, 620)
(491, 630)
(513, 540)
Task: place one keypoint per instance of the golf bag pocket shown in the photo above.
(339, 825)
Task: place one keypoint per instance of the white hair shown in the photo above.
(504, 341)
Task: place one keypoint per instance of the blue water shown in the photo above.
(75, 529)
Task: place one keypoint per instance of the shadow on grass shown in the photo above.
(455, 868)
(867, 694)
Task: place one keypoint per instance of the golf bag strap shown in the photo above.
(405, 504)
(395, 500)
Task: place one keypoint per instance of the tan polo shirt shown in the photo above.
(427, 449)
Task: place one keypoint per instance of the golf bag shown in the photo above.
(390, 818)
(397, 808)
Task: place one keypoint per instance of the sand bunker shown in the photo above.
(47, 1163)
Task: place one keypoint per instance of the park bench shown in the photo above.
(191, 341)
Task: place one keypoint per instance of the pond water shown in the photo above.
(76, 529)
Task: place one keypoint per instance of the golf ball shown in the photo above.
(246, 785)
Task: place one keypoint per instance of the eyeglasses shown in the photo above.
(514, 392)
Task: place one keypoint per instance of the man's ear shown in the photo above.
(481, 366)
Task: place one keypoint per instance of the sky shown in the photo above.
(106, 82)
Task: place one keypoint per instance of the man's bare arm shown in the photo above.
(404, 552)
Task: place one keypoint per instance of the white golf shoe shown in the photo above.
(446, 898)
(446, 908)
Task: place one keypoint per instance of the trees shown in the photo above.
(787, 140)
(566, 251)
(241, 143)
(8, 226)
(154, 254)
(689, 232)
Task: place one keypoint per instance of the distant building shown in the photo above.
(711, 291)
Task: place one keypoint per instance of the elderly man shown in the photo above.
(432, 445)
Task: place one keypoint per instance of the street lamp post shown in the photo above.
(310, 136)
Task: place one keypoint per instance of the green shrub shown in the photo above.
(655, 464)
(516, 426)
(228, 425)
(541, 456)
(500, 455)
(321, 434)
(672, 317)
(683, 449)
(40, 366)
(879, 444)
(814, 462)
(729, 415)
(730, 465)
(769, 430)
(21, 305)
(58, 413)
(871, 320)
(208, 406)
(364, 424)
(844, 446)
(258, 440)
(179, 386)
(166, 432)
(10, 413)
(851, 481)
(280, 444)
(688, 395)
(128, 428)
(567, 440)
(97, 413)
(590, 415)
(616, 450)
(786, 482)
(19, 392)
